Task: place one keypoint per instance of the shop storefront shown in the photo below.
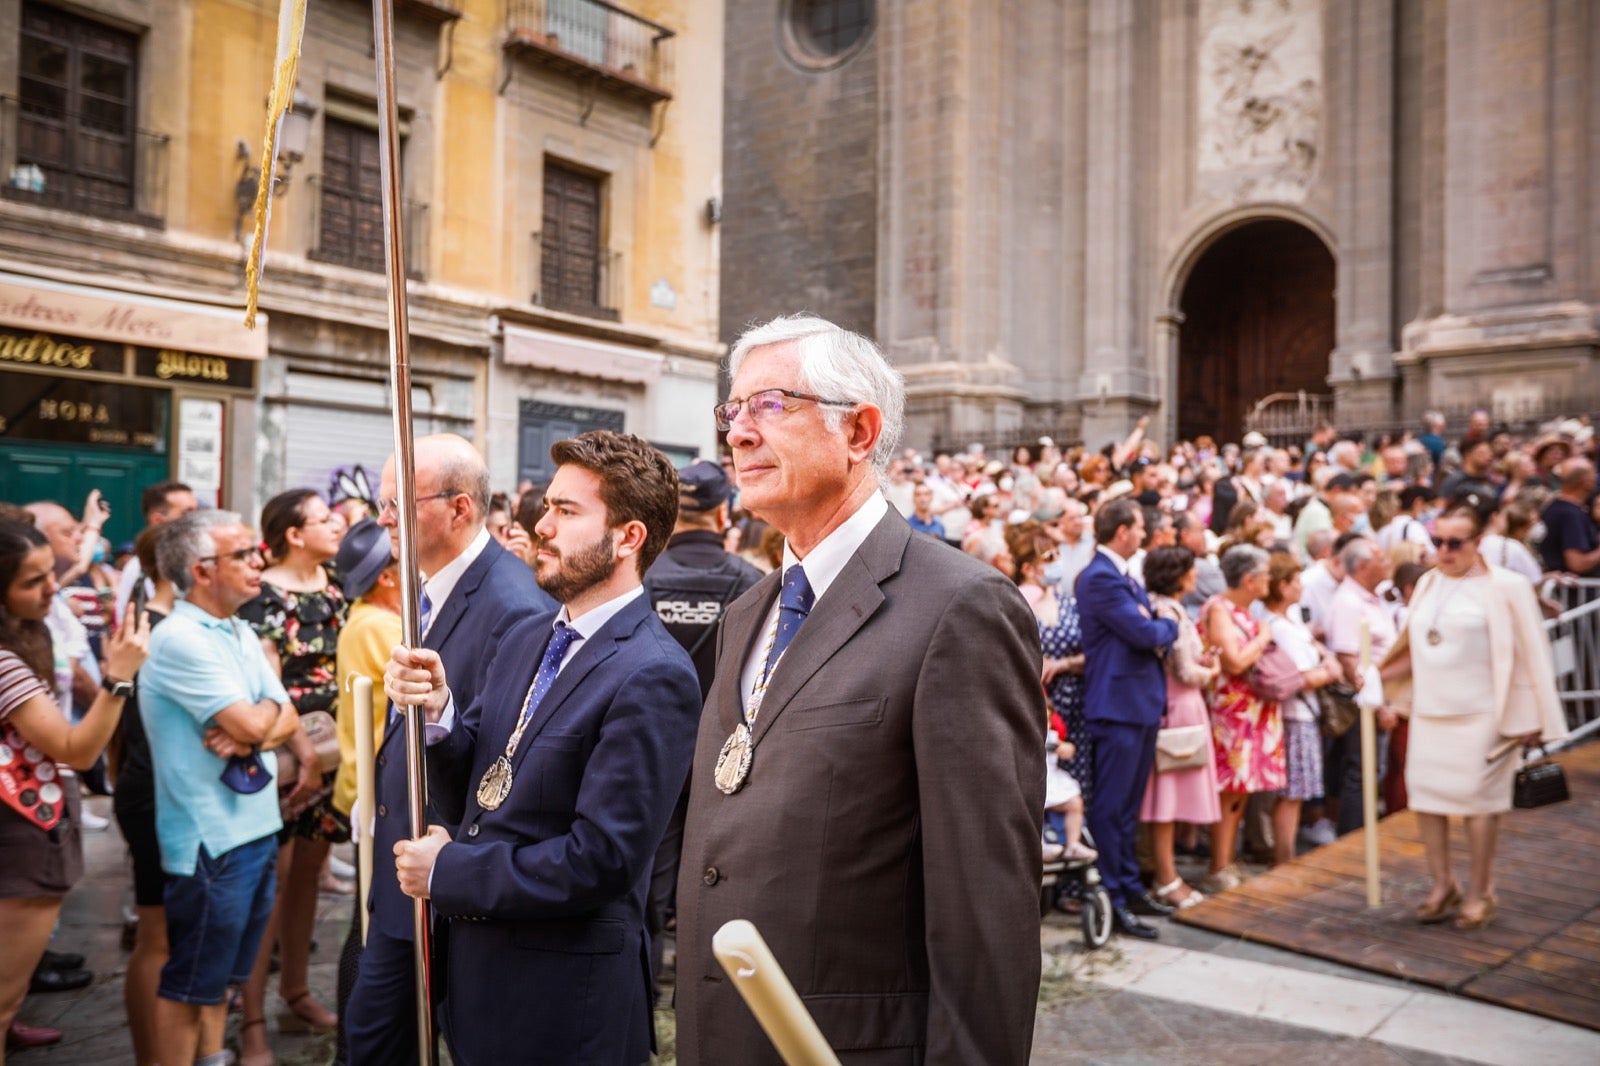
(114, 391)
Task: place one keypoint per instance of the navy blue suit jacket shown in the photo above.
(547, 958)
(1122, 646)
(496, 591)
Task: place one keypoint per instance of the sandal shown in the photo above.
(1464, 921)
(1442, 911)
(1078, 851)
(260, 1058)
(1190, 898)
(305, 1015)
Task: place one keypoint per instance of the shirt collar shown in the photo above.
(1357, 589)
(443, 583)
(592, 620)
(825, 562)
(183, 608)
(1116, 560)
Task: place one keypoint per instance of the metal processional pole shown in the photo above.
(405, 485)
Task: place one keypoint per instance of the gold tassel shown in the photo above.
(285, 74)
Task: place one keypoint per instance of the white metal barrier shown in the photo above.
(1575, 642)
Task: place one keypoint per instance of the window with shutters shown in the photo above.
(77, 145)
(350, 197)
(575, 273)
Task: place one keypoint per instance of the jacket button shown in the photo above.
(383, 812)
(711, 876)
(383, 760)
(472, 830)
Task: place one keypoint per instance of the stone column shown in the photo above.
(1361, 370)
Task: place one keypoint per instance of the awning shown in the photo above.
(131, 318)
(571, 355)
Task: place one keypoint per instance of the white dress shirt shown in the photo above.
(823, 565)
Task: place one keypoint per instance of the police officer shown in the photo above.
(691, 585)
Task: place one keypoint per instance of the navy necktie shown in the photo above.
(424, 613)
(794, 603)
(556, 651)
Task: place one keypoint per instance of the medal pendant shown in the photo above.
(733, 764)
(496, 784)
(1434, 637)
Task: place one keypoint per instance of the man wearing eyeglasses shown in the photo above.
(209, 700)
(868, 782)
(472, 589)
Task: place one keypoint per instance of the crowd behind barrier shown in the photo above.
(1266, 575)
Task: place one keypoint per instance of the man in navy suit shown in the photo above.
(570, 759)
(472, 589)
(1125, 696)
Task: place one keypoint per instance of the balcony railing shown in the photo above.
(585, 37)
(69, 160)
(576, 287)
(365, 250)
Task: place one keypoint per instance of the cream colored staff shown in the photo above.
(366, 793)
(770, 996)
(1369, 772)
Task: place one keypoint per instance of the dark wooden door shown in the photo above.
(75, 92)
(350, 219)
(1258, 319)
(569, 264)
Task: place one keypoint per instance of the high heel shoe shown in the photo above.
(1442, 911)
(1465, 921)
(303, 1014)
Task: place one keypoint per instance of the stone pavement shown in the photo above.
(1192, 997)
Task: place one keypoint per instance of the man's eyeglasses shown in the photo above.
(766, 406)
(254, 553)
(1453, 544)
(392, 504)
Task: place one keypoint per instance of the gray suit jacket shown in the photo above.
(886, 843)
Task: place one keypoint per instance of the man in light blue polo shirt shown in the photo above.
(208, 696)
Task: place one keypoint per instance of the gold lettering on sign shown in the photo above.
(68, 411)
(45, 350)
(171, 364)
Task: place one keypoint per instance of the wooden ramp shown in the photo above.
(1541, 953)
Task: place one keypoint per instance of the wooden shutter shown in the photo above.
(75, 90)
(351, 212)
(569, 272)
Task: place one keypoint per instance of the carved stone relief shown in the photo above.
(1259, 98)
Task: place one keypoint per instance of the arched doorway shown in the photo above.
(1258, 318)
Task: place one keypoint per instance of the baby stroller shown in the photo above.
(1080, 879)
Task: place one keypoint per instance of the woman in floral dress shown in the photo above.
(1247, 730)
(297, 616)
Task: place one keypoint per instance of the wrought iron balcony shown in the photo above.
(586, 283)
(81, 162)
(586, 38)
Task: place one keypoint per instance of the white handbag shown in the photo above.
(1182, 747)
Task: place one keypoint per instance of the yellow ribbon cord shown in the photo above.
(286, 71)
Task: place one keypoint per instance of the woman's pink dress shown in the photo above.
(1183, 795)
(1246, 729)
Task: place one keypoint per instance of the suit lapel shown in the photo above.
(853, 598)
(746, 615)
(455, 608)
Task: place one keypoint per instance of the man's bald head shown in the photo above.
(448, 461)
(452, 494)
(1577, 476)
(63, 531)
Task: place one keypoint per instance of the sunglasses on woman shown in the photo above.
(1454, 544)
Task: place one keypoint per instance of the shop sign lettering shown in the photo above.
(66, 353)
(169, 364)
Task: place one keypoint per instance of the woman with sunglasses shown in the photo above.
(297, 616)
(41, 849)
(1483, 686)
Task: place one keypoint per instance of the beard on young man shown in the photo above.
(567, 576)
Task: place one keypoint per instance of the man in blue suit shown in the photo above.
(1125, 696)
(571, 759)
(472, 589)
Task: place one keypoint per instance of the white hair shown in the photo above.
(838, 365)
(1357, 552)
(186, 541)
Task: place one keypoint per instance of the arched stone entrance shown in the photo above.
(1258, 318)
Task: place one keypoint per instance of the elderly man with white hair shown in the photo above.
(1357, 605)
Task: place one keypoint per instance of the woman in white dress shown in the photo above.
(1484, 685)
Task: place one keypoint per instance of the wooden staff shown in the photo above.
(769, 995)
(1369, 773)
(366, 793)
(405, 486)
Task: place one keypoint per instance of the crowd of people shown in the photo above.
(1180, 640)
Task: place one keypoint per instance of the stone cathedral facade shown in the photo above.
(1059, 215)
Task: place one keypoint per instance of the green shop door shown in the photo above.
(65, 473)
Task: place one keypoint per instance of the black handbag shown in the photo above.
(1539, 784)
(1339, 709)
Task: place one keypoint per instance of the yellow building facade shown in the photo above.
(561, 168)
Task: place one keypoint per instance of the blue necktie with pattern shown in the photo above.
(794, 603)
